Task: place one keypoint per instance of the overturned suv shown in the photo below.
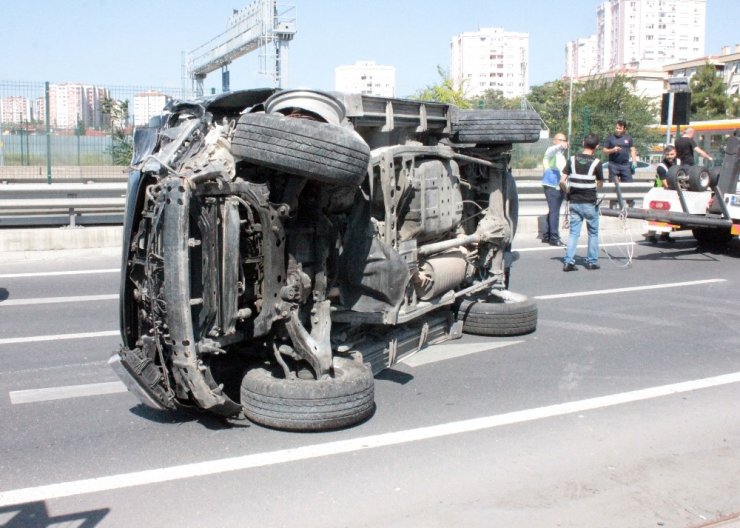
(282, 247)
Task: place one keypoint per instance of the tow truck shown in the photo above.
(705, 200)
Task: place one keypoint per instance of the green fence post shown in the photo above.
(586, 115)
(19, 133)
(48, 134)
(77, 132)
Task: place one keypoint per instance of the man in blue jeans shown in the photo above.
(581, 177)
(622, 156)
(552, 163)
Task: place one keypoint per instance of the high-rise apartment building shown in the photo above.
(581, 57)
(490, 59)
(367, 78)
(73, 104)
(147, 105)
(15, 110)
(644, 35)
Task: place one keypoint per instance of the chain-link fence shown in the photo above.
(46, 124)
(49, 128)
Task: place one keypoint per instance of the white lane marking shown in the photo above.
(562, 248)
(35, 370)
(54, 300)
(57, 273)
(63, 393)
(223, 465)
(587, 328)
(441, 352)
(57, 337)
(629, 289)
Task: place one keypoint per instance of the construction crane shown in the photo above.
(261, 25)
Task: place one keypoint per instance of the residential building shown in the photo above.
(581, 57)
(39, 110)
(147, 105)
(490, 59)
(15, 110)
(367, 78)
(642, 82)
(727, 65)
(72, 103)
(645, 35)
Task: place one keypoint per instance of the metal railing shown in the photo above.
(73, 204)
(67, 204)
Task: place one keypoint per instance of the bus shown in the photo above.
(711, 136)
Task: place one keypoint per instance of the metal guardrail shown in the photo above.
(73, 204)
(529, 190)
(69, 204)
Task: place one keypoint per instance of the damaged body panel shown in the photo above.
(282, 247)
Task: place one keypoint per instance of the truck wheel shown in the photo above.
(494, 127)
(712, 236)
(677, 177)
(493, 317)
(714, 176)
(309, 405)
(698, 178)
(318, 151)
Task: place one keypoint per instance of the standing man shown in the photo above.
(661, 180)
(553, 162)
(686, 146)
(621, 150)
(582, 175)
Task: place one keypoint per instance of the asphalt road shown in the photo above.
(621, 410)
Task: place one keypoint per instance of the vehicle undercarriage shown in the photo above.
(282, 247)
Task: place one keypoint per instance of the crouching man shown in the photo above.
(581, 177)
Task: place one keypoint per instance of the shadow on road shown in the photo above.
(209, 421)
(35, 515)
(690, 250)
(396, 376)
(4, 294)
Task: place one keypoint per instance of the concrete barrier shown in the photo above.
(56, 238)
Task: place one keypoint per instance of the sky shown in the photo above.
(140, 42)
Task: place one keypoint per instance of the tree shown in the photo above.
(551, 102)
(80, 128)
(600, 102)
(597, 104)
(445, 92)
(494, 99)
(122, 144)
(709, 99)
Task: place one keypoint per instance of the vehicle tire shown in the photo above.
(493, 127)
(698, 178)
(677, 178)
(712, 236)
(714, 176)
(309, 405)
(490, 318)
(318, 151)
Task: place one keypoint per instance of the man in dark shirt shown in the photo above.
(582, 175)
(661, 180)
(620, 148)
(686, 147)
